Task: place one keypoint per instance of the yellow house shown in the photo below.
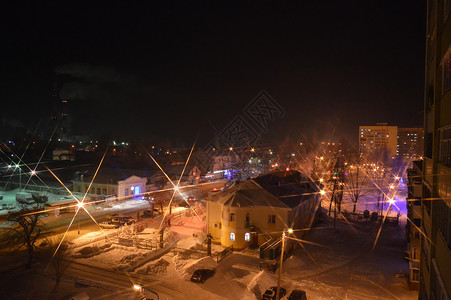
(247, 215)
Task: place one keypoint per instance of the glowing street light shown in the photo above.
(80, 204)
(391, 186)
(33, 172)
(139, 288)
(322, 192)
(231, 148)
(321, 180)
(284, 233)
(391, 201)
(252, 150)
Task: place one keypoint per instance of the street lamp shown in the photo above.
(139, 288)
(289, 230)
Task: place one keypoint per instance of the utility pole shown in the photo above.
(280, 265)
(209, 244)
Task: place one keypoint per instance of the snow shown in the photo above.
(186, 267)
(344, 266)
(260, 283)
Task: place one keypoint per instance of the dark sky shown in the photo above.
(176, 69)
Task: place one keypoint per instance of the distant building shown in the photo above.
(378, 139)
(111, 182)
(63, 154)
(223, 164)
(435, 264)
(186, 175)
(391, 140)
(410, 142)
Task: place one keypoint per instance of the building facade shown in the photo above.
(129, 187)
(413, 231)
(435, 259)
(410, 143)
(378, 139)
(391, 141)
(252, 214)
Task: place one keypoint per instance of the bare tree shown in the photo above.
(58, 257)
(355, 185)
(25, 231)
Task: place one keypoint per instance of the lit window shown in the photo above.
(232, 236)
(247, 237)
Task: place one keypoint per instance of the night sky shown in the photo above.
(173, 70)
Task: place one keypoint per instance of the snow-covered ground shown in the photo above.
(347, 264)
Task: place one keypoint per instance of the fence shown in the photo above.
(224, 253)
(367, 216)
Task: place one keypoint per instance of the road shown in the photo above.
(86, 274)
(84, 224)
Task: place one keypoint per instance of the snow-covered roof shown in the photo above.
(246, 194)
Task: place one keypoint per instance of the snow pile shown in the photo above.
(158, 267)
(116, 257)
(88, 251)
(260, 283)
(88, 238)
(185, 268)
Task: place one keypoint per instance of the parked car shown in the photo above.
(111, 216)
(270, 294)
(117, 220)
(297, 295)
(128, 220)
(147, 213)
(202, 274)
(107, 225)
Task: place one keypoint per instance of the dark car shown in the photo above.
(148, 213)
(128, 220)
(202, 274)
(270, 294)
(297, 295)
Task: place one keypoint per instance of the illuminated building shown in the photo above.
(254, 212)
(378, 139)
(435, 259)
(410, 142)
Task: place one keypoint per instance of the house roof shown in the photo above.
(246, 194)
(113, 175)
(290, 187)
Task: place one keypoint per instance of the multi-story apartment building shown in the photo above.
(392, 141)
(413, 231)
(410, 143)
(435, 258)
(378, 139)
